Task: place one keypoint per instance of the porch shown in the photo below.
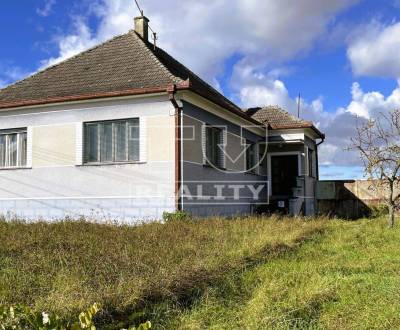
(292, 167)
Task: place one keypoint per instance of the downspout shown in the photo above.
(316, 154)
(171, 90)
(317, 179)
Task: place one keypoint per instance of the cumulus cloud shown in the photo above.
(203, 34)
(255, 89)
(72, 44)
(374, 50)
(369, 104)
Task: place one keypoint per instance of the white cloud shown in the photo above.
(203, 34)
(375, 50)
(46, 9)
(255, 89)
(369, 104)
(72, 44)
(10, 73)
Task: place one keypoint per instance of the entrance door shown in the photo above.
(284, 171)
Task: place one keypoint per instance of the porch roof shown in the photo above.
(277, 118)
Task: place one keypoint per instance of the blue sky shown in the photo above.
(343, 56)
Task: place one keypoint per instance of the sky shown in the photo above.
(342, 56)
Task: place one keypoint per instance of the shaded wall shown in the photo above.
(348, 198)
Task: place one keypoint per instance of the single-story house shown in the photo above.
(124, 131)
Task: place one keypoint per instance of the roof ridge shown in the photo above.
(147, 46)
(64, 61)
(278, 108)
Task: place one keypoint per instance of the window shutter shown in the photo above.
(143, 139)
(204, 142)
(79, 144)
(29, 137)
(257, 157)
(221, 148)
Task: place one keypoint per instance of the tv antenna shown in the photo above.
(155, 36)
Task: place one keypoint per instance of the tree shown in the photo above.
(378, 142)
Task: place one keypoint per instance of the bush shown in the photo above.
(22, 317)
(176, 216)
(379, 211)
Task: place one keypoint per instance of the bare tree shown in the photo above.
(378, 142)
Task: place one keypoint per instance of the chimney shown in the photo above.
(142, 27)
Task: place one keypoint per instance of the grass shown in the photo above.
(159, 269)
(250, 273)
(347, 278)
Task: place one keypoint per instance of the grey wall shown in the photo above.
(195, 173)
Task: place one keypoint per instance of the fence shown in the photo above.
(348, 198)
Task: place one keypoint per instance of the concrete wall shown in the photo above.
(57, 184)
(348, 199)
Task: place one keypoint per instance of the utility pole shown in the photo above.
(298, 106)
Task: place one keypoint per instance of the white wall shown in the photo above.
(54, 187)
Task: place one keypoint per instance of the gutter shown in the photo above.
(171, 90)
(185, 85)
(81, 97)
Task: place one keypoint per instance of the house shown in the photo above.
(124, 131)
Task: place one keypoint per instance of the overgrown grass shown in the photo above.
(347, 278)
(161, 269)
(249, 273)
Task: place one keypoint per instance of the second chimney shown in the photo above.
(142, 27)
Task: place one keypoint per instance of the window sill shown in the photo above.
(254, 173)
(15, 168)
(214, 167)
(113, 164)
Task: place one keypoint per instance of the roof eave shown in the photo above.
(186, 85)
(83, 97)
(316, 130)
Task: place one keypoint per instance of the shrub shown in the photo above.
(379, 211)
(176, 216)
(22, 317)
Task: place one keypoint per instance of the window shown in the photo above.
(112, 141)
(262, 158)
(13, 148)
(310, 162)
(250, 156)
(213, 151)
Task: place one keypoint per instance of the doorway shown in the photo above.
(284, 172)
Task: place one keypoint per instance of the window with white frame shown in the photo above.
(13, 148)
(114, 141)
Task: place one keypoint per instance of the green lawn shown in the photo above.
(255, 273)
(347, 278)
